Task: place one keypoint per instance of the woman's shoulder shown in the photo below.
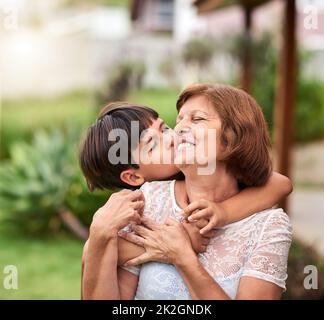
(274, 216)
(273, 222)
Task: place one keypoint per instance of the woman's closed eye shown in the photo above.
(197, 119)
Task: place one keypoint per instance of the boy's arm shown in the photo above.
(255, 199)
(240, 206)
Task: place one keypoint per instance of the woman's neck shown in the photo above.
(216, 187)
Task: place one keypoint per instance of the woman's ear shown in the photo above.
(132, 178)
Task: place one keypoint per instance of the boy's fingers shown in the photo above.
(204, 213)
(190, 208)
(200, 204)
(208, 228)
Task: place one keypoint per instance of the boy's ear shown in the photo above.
(132, 177)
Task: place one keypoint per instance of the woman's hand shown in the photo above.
(168, 243)
(205, 209)
(122, 208)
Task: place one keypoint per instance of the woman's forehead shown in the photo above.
(198, 104)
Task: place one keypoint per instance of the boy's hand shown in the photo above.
(205, 209)
(199, 242)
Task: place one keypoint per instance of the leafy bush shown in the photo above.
(309, 120)
(41, 187)
(198, 50)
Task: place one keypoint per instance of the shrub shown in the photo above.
(41, 187)
(309, 116)
(121, 80)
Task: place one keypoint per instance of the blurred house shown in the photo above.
(153, 15)
(57, 49)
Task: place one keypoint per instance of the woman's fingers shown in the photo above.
(139, 204)
(141, 230)
(149, 223)
(204, 213)
(135, 217)
(135, 195)
(132, 238)
(205, 241)
(145, 257)
(171, 222)
(209, 234)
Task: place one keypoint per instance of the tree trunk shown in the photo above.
(74, 224)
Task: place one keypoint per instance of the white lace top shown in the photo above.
(256, 246)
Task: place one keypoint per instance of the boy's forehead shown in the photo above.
(152, 130)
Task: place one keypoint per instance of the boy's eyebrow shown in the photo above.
(146, 139)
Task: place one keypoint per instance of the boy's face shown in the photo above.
(155, 153)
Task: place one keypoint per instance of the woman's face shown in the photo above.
(197, 133)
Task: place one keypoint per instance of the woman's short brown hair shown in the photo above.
(99, 172)
(244, 131)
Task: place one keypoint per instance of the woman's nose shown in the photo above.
(181, 129)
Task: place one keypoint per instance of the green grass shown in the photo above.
(51, 268)
(47, 268)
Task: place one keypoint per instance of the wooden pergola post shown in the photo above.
(285, 95)
(246, 72)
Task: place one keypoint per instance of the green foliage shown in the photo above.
(41, 179)
(126, 76)
(309, 120)
(199, 51)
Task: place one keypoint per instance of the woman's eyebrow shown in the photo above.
(191, 112)
(197, 110)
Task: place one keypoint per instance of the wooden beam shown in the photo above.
(285, 95)
(246, 63)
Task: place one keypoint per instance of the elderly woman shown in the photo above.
(246, 259)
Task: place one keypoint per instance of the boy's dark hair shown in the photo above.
(99, 172)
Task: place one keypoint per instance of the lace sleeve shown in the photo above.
(268, 261)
